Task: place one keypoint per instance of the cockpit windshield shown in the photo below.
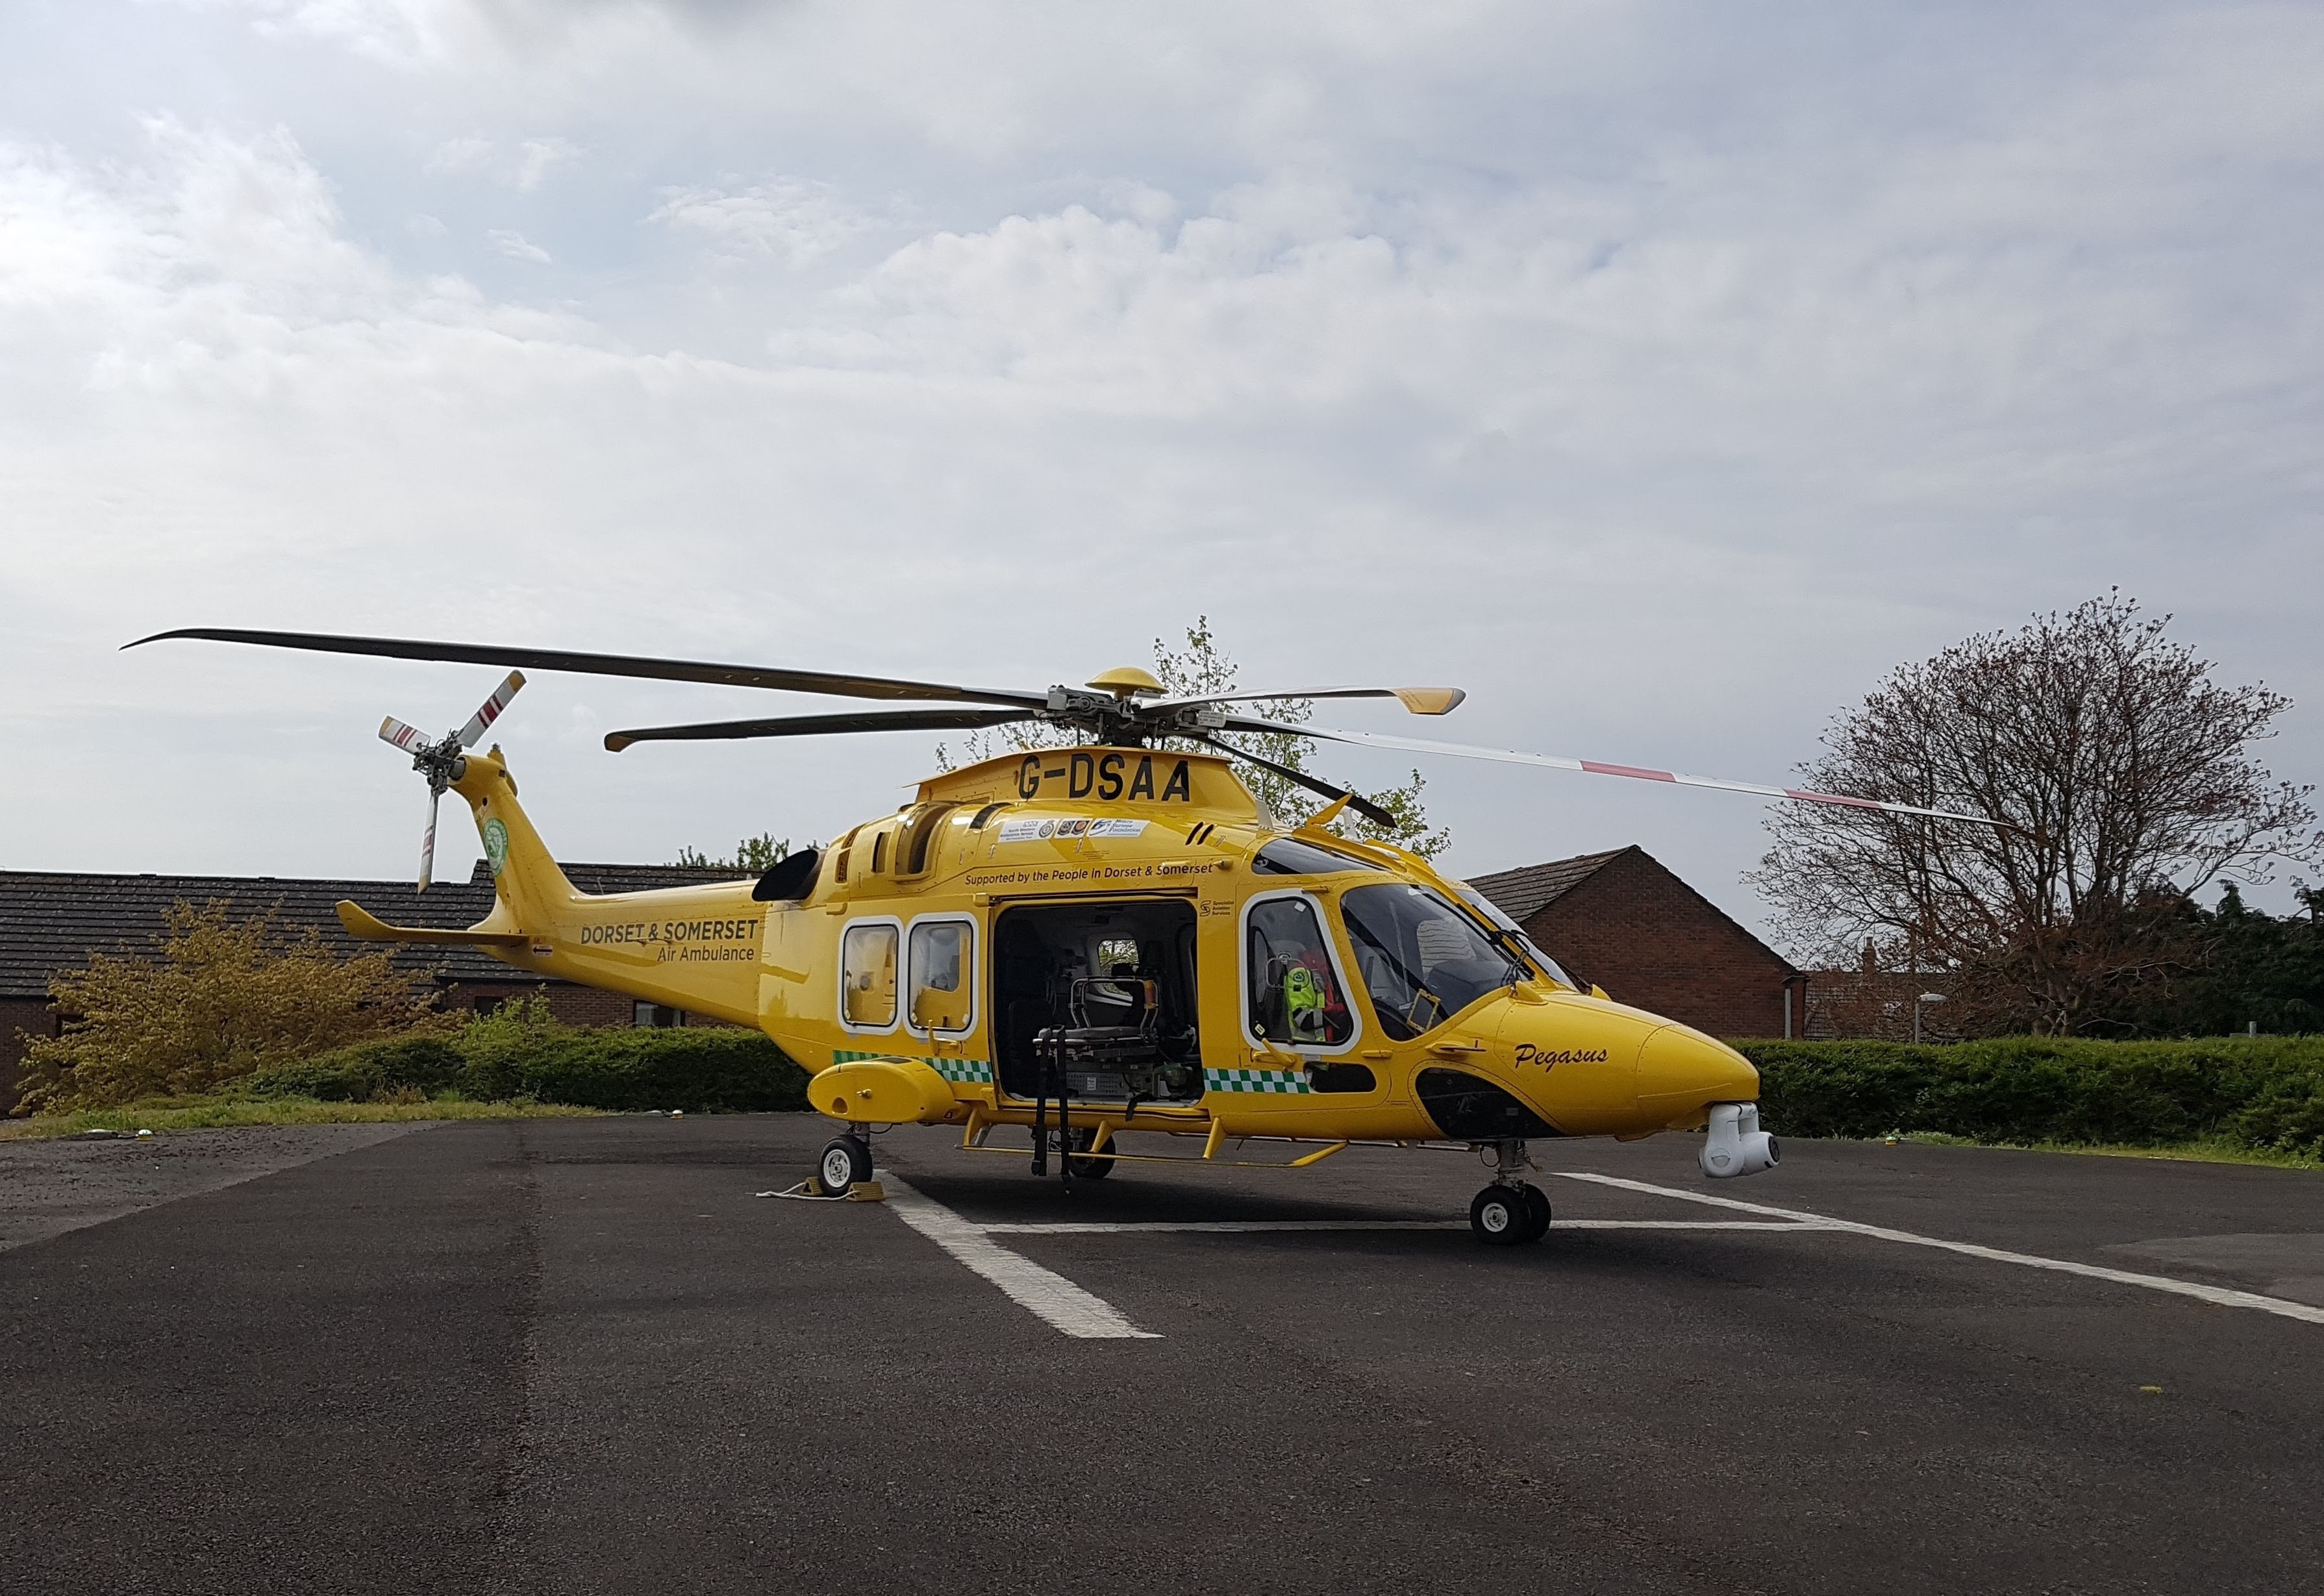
(1421, 960)
(1487, 911)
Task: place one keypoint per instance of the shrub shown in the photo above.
(368, 1070)
(214, 1000)
(695, 1068)
(521, 1051)
(2268, 1092)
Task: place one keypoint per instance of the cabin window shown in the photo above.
(941, 974)
(1422, 960)
(867, 977)
(1293, 994)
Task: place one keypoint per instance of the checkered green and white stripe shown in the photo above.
(1255, 1079)
(963, 1072)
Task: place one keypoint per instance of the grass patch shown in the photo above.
(210, 1113)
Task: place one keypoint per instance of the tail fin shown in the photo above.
(530, 888)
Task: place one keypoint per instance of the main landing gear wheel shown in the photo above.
(843, 1163)
(1510, 1216)
(1085, 1167)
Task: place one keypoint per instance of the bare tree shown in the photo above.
(2123, 776)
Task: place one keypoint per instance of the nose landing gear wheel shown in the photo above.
(843, 1163)
(1537, 1213)
(1497, 1215)
(1510, 1216)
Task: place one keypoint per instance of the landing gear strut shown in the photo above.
(845, 1162)
(1511, 1210)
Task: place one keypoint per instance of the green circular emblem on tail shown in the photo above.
(496, 845)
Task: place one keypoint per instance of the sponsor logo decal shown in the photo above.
(496, 845)
(1041, 829)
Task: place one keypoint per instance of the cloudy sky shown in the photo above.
(1661, 372)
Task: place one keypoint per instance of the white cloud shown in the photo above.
(468, 152)
(536, 157)
(517, 246)
(523, 167)
(1661, 384)
(789, 219)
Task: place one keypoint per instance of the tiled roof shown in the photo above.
(1520, 893)
(52, 920)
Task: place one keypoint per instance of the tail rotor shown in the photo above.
(439, 760)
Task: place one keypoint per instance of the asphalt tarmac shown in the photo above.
(560, 1356)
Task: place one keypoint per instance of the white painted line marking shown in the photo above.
(1047, 1295)
(1242, 1226)
(2219, 1295)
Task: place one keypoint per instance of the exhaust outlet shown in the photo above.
(1735, 1144)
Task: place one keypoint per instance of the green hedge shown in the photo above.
(2264, 1093)
(699, 1069)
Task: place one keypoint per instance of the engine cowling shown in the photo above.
(1734, 1144)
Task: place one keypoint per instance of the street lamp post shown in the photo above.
(1926, 997)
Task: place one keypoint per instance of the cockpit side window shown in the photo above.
(1421, 961)
(1292, 989)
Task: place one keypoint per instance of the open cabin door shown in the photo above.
(1096, 1000)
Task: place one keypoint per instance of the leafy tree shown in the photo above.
(216, 999)
(2251, 969)
(2123, 777)
(752, 855)
(1201, 666)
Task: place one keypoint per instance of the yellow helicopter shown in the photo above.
(1105, 942)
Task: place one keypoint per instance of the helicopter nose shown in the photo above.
(1681, 1069)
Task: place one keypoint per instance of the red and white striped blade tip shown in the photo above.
(410, 739)
(490, 710)
(1509, 756)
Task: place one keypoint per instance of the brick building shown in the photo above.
(1878, 1004)
(51, 921)
(1623, 921)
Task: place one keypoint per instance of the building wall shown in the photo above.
(1654, 942)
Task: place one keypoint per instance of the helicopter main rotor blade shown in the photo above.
(1418, 700)
(1509, 756)
(490, 710)
(1356, 801)
(683, 670)
(814, 725)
